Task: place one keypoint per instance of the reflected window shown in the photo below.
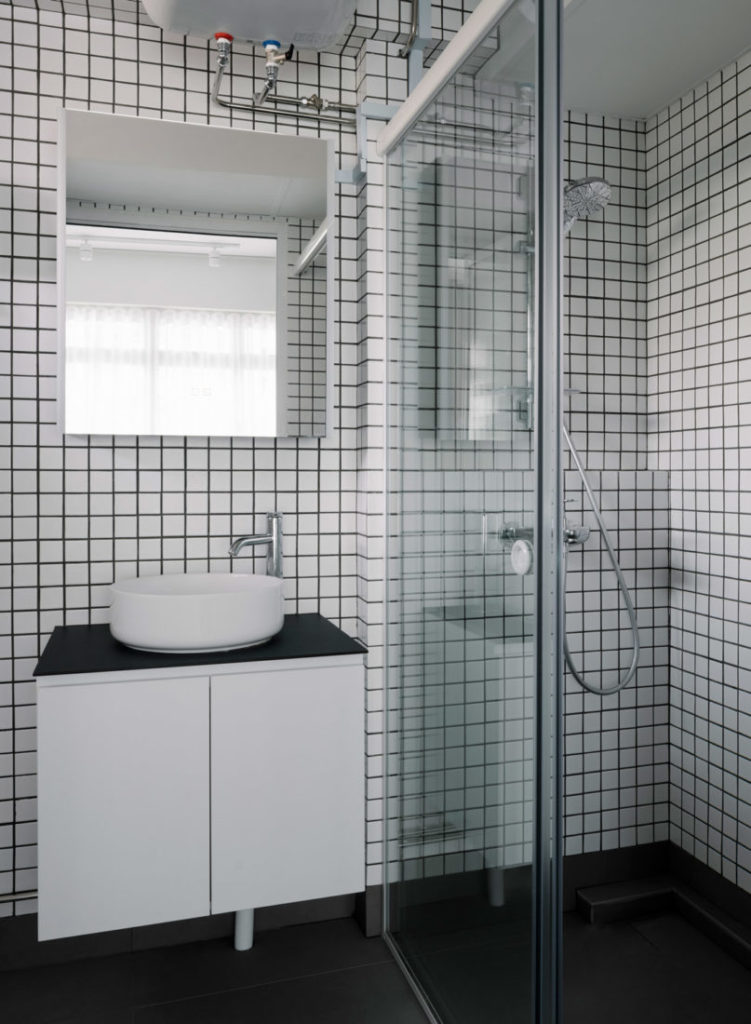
(169, 333)
(153, 371)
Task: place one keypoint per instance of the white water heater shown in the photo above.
(309, 24)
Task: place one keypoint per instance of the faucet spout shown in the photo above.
(272, 539)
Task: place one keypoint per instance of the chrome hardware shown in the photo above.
(576, 534)
(512, 533)
(273, 539)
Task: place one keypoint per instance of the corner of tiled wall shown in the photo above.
(698, 168)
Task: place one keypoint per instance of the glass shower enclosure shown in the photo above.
(473, 548)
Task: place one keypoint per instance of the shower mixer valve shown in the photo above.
(576, 534)
(573, 534)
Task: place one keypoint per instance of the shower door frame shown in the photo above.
(549, 601)
(549, 593)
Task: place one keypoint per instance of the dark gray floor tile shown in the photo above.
(97, 988)
(109, 1016)
(611, 973)
(717, 985)
(659, 970)
(463, 922)
(377, 994)
(480, 984)
(20, 949)
(178, 972)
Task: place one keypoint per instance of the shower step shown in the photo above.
(619, 901)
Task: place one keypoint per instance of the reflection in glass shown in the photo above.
(172, 333)
(463, 766)
(144, 370)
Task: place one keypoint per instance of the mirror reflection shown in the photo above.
(171, 333)
(189, 305)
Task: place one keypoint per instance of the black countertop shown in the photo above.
(78, 649)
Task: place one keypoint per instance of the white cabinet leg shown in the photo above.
(243, 930)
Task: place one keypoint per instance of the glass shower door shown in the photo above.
(472, 717)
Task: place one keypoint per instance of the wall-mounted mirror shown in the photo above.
(195, 282)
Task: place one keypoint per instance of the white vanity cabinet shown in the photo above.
(287, 786)
(177, 793)
(123, 804)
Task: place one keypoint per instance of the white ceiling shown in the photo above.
(631, 58)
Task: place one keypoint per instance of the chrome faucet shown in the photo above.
(273, 539)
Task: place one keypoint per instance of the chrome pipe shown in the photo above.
(317, 102)
(512, 533)
(407, 48)
(259, 97)
(315, 113)
(314, 247)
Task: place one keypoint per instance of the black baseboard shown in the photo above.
(369, 911)
(20, 948)
(438, 888)
(712, 886)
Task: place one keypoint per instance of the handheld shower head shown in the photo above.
(582, 198)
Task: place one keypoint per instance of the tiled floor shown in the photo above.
(654, 970)
(311, 974)
(476, 965)
(474, 959)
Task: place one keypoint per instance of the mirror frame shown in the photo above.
(331, 249)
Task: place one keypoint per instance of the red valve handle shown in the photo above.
(223, 35)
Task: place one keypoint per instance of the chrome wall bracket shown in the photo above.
(369, 110)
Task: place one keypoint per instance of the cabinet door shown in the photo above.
(287, 786)
(123, 804)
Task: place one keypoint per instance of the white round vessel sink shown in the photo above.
(196, 612)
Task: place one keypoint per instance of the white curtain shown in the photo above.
(133, 370)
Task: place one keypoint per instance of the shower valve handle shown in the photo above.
(576, 534)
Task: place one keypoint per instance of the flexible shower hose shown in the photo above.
(631, 671)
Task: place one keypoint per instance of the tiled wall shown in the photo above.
(387, 21)
(698, 167)
(451, 652)
(615, 747)
(77, 513)
(460, 697)
(686, 420)
(616, 755)
(605, 294)
(306, 336)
